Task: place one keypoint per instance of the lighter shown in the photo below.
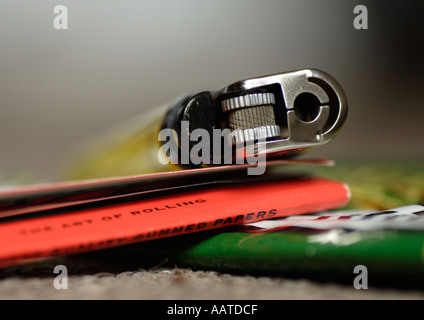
(274, 116)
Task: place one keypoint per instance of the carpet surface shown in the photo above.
(97, 280)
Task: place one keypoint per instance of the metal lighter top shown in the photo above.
(279, 115)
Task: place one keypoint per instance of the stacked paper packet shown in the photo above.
(66, 218)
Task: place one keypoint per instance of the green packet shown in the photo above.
(327, 245)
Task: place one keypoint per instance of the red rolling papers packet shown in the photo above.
(110, 223)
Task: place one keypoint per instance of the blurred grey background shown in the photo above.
(120, 58)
